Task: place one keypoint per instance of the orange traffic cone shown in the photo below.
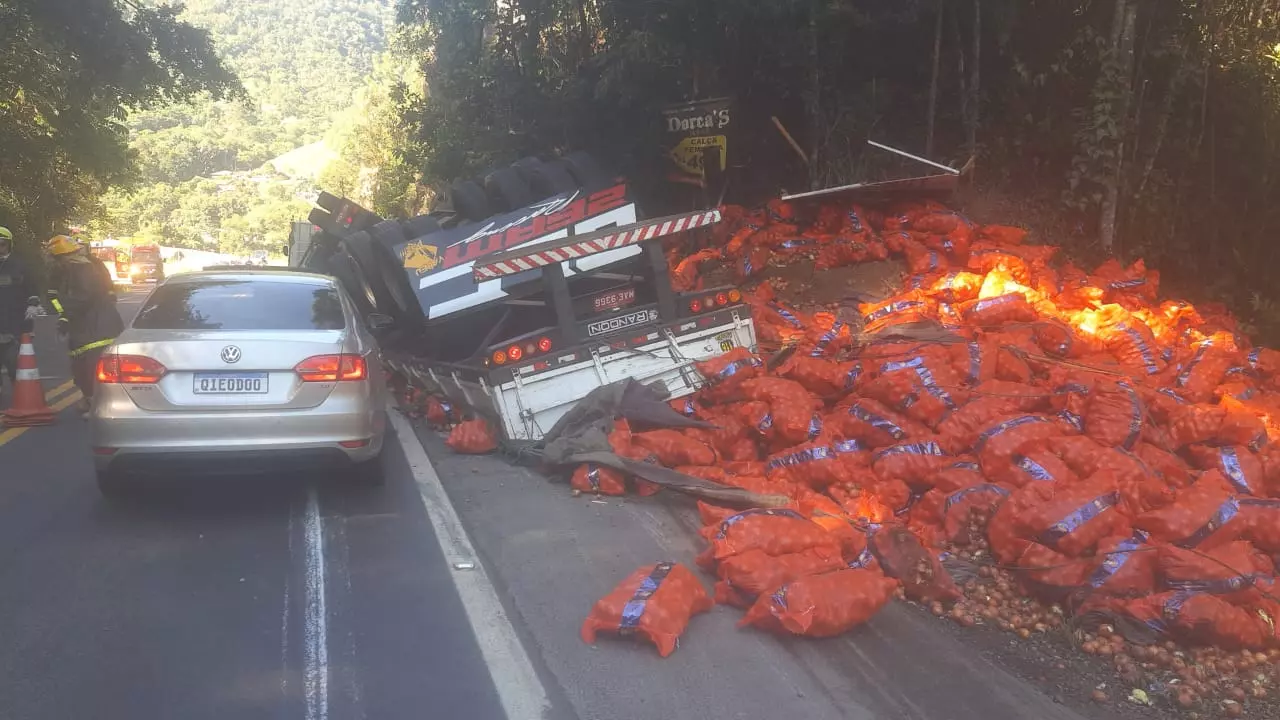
(29, 407)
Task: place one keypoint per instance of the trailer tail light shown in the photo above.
(332, 368)
(514, 353)
(129, 370)
(695, 306)
(735, 296)
(499, 357)
(722, 299)
(544, 344)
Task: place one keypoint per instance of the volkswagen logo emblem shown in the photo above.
(231, 354)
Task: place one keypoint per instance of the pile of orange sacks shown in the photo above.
(1115, 449)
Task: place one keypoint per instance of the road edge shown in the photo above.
(519, 689)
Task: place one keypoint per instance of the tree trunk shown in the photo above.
(974, 76)
(584, 48)
(1164, 114)
(1126, 15)
(933, 81)
(814, 100)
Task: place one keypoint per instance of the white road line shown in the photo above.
(519, 689)
(315, 628)
(285, 613)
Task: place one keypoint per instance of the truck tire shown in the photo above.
(508, 190)
(388, 237)
(377, 265)
(550, 179)
(469, 201)
(525, 165)
(419, 226)
(589, 174)
(348, 274)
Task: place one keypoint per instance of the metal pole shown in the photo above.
(896, 151)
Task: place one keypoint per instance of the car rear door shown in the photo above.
(234, 343)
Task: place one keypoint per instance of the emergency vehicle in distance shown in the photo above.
(146, 264)
(116, 257)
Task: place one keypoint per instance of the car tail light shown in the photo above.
(332, 368)
(499, 357)
(709, 302)
(695, 305)
(544, 344)
(722, 299)
(735, 296)
(515, 352)
(129, 370)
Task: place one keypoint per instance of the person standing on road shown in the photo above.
(17, 293)
(84, 297)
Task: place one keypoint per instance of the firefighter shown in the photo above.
(18, 305)
(84, 297)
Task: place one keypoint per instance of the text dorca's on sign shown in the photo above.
(696, 131)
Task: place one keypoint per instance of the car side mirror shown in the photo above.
(286, 251)
(378, 321)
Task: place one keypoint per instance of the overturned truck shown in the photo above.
(522, 293)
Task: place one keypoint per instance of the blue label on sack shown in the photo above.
(878, 422)
(852, 376)
(1230, 464)
(975, 363)
(915, 282)
(896, 365)
(846, 446)
(768, 512)
(864, 560)
(921, 448)
(766, 423)
(815, 427)
(931, 386)
(1032, 468)
(984, 305)
(1253, 356)
(1071, 388)
(821, 346)
(688, 410)
(1185, 375)
(1006, 425)
(797, 243)
(1216, 587)
(732, 368)
(1135, 416)
(959, 495)
(1117, 558)
(746, 266)
(800, 458)
(787, 315)
(593, 476)
(1221, 516)
(891, 309)
(933, 260)
(634, 609)
(1077, 518)
(1169, 612)
(1124, 284)
(1148, 360)
(855, 222)
(948, 245)
(965, 465)
(1171, 394)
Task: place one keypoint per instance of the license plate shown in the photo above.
(614, 300)
(230, 383)
(621, 322)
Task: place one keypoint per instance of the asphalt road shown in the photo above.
(263, 597)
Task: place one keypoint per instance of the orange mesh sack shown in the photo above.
(755, 572)
(1115, 415)
(598, 479)
(1231, 571)
(775, 531)
(724, 373)
(1203, 516)
(439, 412)
(472, 437)
(822, 605)
(1240, 466)
(874, 424)
(1076, 518)
(654, 602)
(674, 448)
(816, 465)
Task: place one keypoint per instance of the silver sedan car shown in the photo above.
(239, 370)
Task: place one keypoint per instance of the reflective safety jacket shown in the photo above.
(85, 300)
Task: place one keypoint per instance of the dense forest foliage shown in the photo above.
(70, 70)
(1150, 127)
(205, 173)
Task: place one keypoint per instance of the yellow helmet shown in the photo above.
(5, 234)
(61, 245)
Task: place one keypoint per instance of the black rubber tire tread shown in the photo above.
(344, 268)
(508, 190)
(420, 226)
(470, 201)
(589, 174)
(388, 236)
(364, 250)
(551, 178)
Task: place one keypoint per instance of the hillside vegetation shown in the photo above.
(204, 177)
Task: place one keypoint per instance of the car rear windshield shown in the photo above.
(241, 305)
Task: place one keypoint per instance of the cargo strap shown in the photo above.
(634, 609)
(91, 346)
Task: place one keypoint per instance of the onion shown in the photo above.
(984, 571)
(1237, 693)
(1185, 699)
(1105, 630)
(1090, 647)
(1041, 627)
(936, 608)
(1106, 649)
(967, 621)
(1232, 708)
(1259, 658)
(1098, 696)
(957, 612)
(1024, 633)
(1178, 664)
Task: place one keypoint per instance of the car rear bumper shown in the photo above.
(125, 436)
